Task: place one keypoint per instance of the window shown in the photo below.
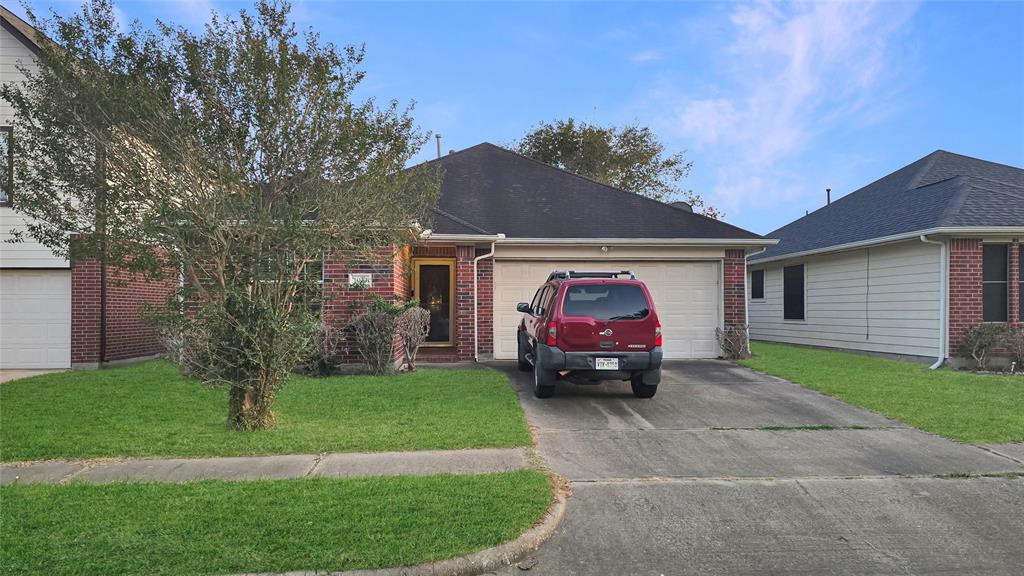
(793, 292)
(606, 301)
(994, 281)
(757, 284)
(6, 165)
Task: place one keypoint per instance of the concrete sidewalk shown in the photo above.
(266, 467)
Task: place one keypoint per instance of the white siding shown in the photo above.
(28, 253)
(882, 299)
(35, 319)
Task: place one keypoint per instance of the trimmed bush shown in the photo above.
(978, 342)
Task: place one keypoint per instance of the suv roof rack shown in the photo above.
(571, 274)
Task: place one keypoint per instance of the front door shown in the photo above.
(433, 288)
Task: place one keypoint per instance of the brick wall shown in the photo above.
(734, 295)
(485, 304)
(965, 288)
(85, 312)
(342, 302)
(127, 293)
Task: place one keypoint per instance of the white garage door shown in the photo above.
(35, 318)
(686, 295)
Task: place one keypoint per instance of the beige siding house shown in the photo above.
(879, 299)
(902, 266)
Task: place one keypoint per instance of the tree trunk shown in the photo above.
(249, 410)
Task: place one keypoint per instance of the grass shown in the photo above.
(215, 527)
(962, 406)
(150, 410)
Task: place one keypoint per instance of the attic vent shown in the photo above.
(682, 205)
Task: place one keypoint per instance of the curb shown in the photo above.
(471, 565)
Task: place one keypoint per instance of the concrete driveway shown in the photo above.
(727, 471)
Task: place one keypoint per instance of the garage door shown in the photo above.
(35, 318)
(686, 294)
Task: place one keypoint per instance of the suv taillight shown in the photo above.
(552, 339)
(657, 333)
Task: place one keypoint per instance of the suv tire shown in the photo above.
(543, 381)
(524, 365)
(641, 390)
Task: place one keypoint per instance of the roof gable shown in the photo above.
(492, 190)
(940, 190)
(20, 29)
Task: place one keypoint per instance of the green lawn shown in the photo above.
(959, 405)
(150, 410)
(215, 527)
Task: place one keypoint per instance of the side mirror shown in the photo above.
(523, 307)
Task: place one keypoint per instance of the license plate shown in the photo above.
(606, 363)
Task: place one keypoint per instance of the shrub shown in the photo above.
(322, 357)
(413, 326)
(1015, 343)
(374, 331)
(733, 341)
(979, 341)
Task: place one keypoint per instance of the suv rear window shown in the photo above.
(606, 301)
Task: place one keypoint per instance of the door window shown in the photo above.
(434, 291)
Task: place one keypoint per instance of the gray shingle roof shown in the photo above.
(941, 190)
(486, 189)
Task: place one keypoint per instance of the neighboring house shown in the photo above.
(901, 266)
(513, 220)
(55, 313)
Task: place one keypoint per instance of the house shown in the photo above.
(901, 266)
(504, 222)
(55, 313)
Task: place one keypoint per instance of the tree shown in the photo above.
(236, 157)
(627, 157)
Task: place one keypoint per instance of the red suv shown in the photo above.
(591, 326)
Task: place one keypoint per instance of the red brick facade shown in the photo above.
(128, 337)
(734, 291)
(126, 294)
(965, 288)
(341, 302)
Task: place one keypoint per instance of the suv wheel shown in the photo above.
(543, 381)
(524, 366)
(641, 390)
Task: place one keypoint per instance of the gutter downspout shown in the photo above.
(942, 301)
(476, 303)
(746, 295)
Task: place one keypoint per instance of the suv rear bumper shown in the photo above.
(553, 358)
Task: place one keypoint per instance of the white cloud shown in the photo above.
(787, 75)
(647, 56)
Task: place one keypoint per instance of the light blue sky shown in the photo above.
(774, 102)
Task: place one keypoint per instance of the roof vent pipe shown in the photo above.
(438, 137)
(828, 196)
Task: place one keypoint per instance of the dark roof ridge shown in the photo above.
(923, 170)
(455, 218)
(610, 187)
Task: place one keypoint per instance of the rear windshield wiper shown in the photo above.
(633, 316)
